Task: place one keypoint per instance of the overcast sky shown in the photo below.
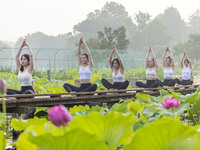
(53, 17)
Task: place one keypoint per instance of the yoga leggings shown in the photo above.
(184, 82)
(85, 87)
(24, 90)
(116, 85)
(167, 82)
(149, 84)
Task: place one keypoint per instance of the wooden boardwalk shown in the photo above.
(83, 98)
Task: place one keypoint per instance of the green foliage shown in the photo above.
(121, 107)
(113, 128)
(194, 22)
(48, 137)
(175, 25)
(144, 98)
(20, 125)
(139, 73)
(162, 134)
(192, 46)
(108, 38)
(2, 140)
(112, 14)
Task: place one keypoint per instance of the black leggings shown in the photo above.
(184, 82)
(85, 87)
(116, 85)
(149, 84)
(24, 90)
(167, 82)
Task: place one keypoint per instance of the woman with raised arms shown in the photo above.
(86, 65)
(168, 67)
(151, 72)
(26, 68)
(117, 68)
(186, 66)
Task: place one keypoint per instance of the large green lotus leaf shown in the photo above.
(2, 140)
(49, 137)
(193, 98)
(149, 110)
(113, 128)
(135, 107)
(23, 124)
(76, 139)
(145, 98)
(121, 107)
(23, 143)
(195, 108)
(2, 118)
(161, 135)
(80, 108)
(169, 113)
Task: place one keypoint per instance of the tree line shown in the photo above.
(113, 25)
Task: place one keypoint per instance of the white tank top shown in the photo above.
(24, 78)
(186, 73)
(150, 73)
(119, 77)
(85, 73)
(168, 73)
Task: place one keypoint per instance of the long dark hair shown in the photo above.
(169, 58)
(186, 60)
(115, 59)
(27, 57)
(85, 54)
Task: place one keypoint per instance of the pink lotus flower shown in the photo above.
(2, 87)
(59, 115)
(170, 103)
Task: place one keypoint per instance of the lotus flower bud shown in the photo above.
(59, 115)
(2, 87)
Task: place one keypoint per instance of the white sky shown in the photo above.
(53, 17)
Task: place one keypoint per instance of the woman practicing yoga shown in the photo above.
(26, 68)
(117, 68)
(151, 72)
(186, 66)
(168, 67)
(86, 65)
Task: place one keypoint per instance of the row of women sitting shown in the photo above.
(26, 68)
(168, 67)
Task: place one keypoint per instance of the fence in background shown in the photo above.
(56, 59)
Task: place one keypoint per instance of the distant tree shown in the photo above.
(175, 25)
(41, 40)
(112, 14)
(142, 20)
(192, 47)
(149, 32)
(194, 22)
(93, 43)
(110, 37)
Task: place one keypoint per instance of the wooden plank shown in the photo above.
(47, 102)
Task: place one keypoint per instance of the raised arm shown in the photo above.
(91, 64)
(172, 57)
(31, 62)
(183, 59)
(147, 57)
(79, 50)
(163, 58)
(120, 61)
(189, 60)
(18, 54)
(110, 59)
(155, 60)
